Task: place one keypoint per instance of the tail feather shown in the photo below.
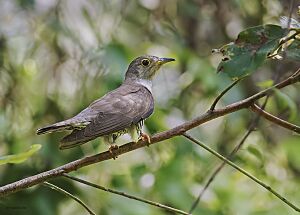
(75, 138)
(60, 126)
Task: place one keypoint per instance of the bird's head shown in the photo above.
(145, 67)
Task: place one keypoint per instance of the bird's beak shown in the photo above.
(164, 60)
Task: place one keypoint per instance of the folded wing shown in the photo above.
(114, 112)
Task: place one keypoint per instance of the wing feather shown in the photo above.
(116, 111)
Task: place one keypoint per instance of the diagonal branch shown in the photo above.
(58, 189)
(168, 208)
(255, 108)
(177, 131)
(232, 153)
(267, 187)
(216, 172)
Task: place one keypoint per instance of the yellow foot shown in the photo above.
(111, 149)
(145, 137)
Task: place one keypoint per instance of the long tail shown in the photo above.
(60, 126)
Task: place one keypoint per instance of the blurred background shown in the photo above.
(56, 57)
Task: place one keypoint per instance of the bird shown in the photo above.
(118, 112)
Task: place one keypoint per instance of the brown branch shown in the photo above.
(168, 208)
(255, 108)
(179, 130)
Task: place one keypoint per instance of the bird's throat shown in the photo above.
(146, 83)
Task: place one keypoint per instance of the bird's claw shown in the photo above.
(112, 149)
(145, 137)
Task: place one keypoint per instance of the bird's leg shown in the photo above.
(112, 146)
(145, 137)
(137, 134)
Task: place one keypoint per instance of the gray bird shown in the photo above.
(120, 111)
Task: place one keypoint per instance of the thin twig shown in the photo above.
(213, 106)
(216, 172)
(232, 153)
(255, 108)
(54, 187)
(176, 131)
(267, 187)
(168, 208)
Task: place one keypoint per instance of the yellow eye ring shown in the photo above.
(145, 62)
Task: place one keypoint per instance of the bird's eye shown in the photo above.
(145, 62)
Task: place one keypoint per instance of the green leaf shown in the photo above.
(293, 50)
(21, 157)
(249, 50)
(286, 102)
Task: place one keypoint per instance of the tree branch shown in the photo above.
(168, 208)
(179, 130)
(255, 108)
(58, 189)
(267, 187)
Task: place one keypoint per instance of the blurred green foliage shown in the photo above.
(58, 56)
(20, 157)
